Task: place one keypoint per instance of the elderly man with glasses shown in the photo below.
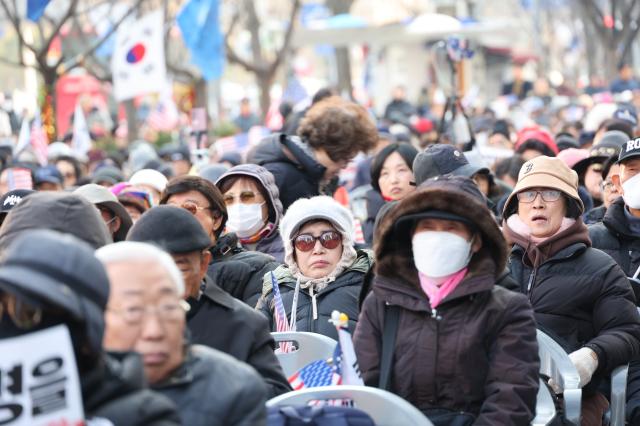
(146, 313)
(216, 319)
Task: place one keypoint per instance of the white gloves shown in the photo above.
(586, 362)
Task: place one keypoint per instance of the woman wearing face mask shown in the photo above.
(322, 271)
(254, 208)
(459, 343)
(580, 295)
(392, 180)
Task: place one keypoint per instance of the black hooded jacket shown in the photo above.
(116, 390)
(614, 237)
(290, 160)
(224, 323)
(238, 271)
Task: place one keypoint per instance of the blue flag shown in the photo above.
(200, 26)
(35, 9)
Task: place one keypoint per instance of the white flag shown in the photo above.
(24, 137)
(137, 63)
(81, 142)
(349, 368)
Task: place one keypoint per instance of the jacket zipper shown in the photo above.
(438, 318)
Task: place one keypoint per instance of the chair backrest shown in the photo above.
(545, 408)
(385, 408)
(555, 363)
(311, 347)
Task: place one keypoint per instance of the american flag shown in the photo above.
(280, 315)
(318, 373)
(359, 233)
(19, 178)
(39, 141)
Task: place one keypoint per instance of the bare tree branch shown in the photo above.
(287, 38)
(15, 23)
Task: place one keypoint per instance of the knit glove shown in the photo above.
(586, 362)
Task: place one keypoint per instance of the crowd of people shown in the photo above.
(446, 255)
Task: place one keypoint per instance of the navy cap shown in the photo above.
(437, 160)
(49, 174)
(172, 228)
(627, 113)
(630, 150)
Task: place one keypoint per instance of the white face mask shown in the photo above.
(245, 219)
(439, 254)
(631, 188)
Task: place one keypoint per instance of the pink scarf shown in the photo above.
(518, 226)
(437, 289)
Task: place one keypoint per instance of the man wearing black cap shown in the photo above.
(38, 291)
(619, 233)
(60, 211)
(215, 319)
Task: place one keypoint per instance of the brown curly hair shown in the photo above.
(340, 127)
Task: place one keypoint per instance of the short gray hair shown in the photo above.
(133, 251)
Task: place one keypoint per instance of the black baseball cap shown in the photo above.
(630, 150)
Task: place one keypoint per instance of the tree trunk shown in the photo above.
(343, 63)
(48, 109)
(132, 120)
(264, 83)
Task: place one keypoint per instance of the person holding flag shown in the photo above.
(435, 329)
(322, 271)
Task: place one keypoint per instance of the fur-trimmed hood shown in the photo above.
(393, 252)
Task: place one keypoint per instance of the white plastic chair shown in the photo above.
(385, 408)
(555, 363)
(618, 400)
(311, 347)
(545, 408)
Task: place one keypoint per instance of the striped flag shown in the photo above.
(358, 232)
(39, 141)
(318, 373)
(280, 315)
(19, 178)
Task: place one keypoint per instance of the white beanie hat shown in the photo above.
(150, 177)
(323, 208)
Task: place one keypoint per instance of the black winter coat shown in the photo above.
(613, 237)
(581, 297)
(117, 390)
(237, 271)
(212, 388)
(341, 294)
(221, 322)
(297, 173)
(595, 215)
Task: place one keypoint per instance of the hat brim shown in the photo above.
(43, 287)
(125, 219)
(628, 157)
(410, 220)
(541, 180)
(581, 166)
(469, 170)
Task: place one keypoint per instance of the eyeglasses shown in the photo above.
(328, 240)
(245, 197)
(23, 315)
(193, 207)
(548, 195)
(607, 185)
(168, 312)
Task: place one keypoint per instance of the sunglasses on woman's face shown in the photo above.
(328, 240)
(23, 315)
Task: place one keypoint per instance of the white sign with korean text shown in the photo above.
(39, 383)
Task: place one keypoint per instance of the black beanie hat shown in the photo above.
(172, 228)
